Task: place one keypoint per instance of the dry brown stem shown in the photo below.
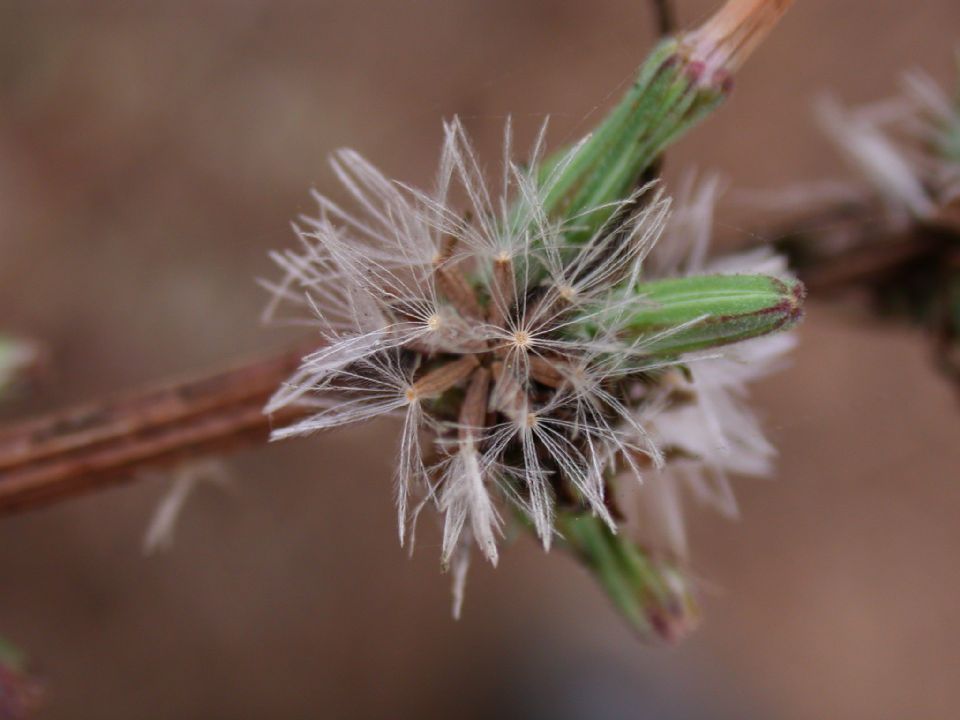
(79, 450)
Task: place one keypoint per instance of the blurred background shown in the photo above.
(152, 153)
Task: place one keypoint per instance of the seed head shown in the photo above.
(520, 362)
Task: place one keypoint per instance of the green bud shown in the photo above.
(682, 81)
(666, 100)
(653, 596)
(698, 313)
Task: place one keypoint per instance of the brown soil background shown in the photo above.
(151, 154)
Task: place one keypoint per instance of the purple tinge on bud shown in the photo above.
(717, 49)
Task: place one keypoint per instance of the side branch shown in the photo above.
(84, 449)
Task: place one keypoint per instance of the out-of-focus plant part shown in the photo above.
(903, 149)
(901, 238)
(183, 481)
(939, 123)
(20, 694)
(526, 340)
(17, 359)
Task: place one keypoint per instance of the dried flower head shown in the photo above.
(466, 326)
(523, 357)
(520, 333)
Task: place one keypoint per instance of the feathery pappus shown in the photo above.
(512, 356)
